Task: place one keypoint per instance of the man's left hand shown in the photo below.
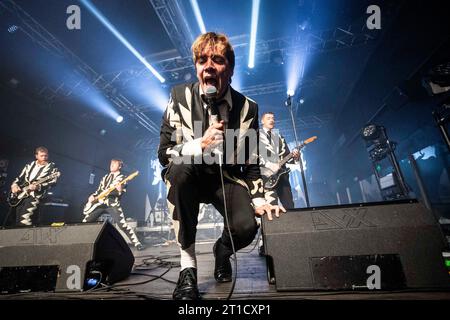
(267, 209)
(33, 187)
(295, 154)
(119, 188)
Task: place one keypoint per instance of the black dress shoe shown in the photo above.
(222, 267)
(186, 288)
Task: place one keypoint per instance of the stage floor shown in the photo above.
(157, 267)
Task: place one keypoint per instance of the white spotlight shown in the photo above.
(119, 119)
(254, 27)
(290, 93)
(302, 101)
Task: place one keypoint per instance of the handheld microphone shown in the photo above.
(211, 95)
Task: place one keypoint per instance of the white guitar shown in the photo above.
(99, 200)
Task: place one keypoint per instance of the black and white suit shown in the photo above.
(277, 149)
(111, 205)
(26, 211)
(194, 181)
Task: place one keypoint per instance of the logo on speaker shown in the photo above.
(74, 279)
(41, 236)
(374, 280)
(341, 219)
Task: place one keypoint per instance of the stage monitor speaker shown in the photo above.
(389, 245)
(66, 258)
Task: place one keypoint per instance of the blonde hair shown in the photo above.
(119, 161)
(214, 40)
(41, 149)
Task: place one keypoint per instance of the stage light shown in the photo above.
(302, 101)
(198, 16)
(371, 132)
(276, 57)
(437, 79)
(13, 28)
(120, 37)
(254, 27)
(290, 92)
(187, 76)
(119, 119)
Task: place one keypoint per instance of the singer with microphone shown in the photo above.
(192, 133)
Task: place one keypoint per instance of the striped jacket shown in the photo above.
(185, 108)
(108, 181)
(24, 178)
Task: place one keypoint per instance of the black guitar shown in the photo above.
(15, 198)
(272, 178)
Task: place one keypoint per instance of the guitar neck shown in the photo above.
(290, 155)
(286, 159)
(111, 189)
(41, 181)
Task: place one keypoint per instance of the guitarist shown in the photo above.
(276, 149)
(25, 212)
(111, 204)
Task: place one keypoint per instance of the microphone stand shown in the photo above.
(288, 104)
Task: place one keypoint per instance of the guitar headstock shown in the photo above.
(133, 175)
(309, 140)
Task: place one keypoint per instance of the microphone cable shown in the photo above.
(227, 220)
(210, 94)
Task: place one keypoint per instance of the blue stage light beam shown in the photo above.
(237, 81)
(120, 37)
(198, 16)
(151, 92)
(97, 101)
(295, 68)
(254, 28)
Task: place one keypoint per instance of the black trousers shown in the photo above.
(188, 185)
(284, 192)
(118, 216)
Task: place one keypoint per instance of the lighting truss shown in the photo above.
(170, 12)
(46, 40)
(348, 37)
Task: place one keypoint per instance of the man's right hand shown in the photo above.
(15, 188)
(213, 136)
(267, 209)
(91, 199)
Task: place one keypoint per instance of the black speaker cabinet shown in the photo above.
(395, 244)
(67, 258)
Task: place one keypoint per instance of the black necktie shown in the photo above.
(224, 112)
(205, 121)
(269, 137)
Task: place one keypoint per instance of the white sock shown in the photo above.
(188, 258)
